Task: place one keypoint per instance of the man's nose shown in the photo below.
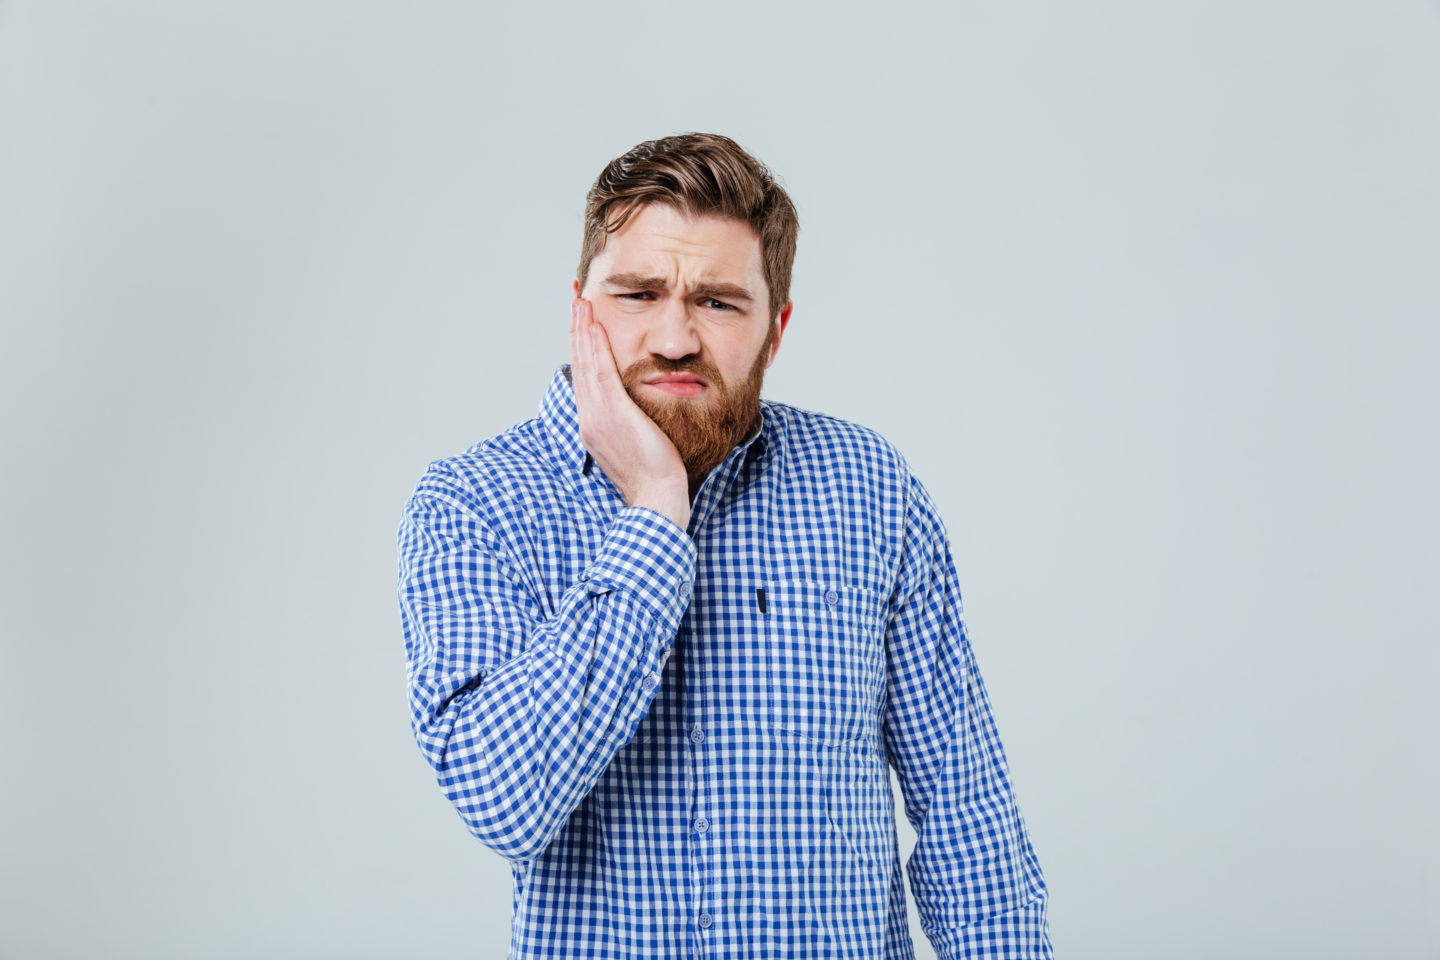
(673, 334)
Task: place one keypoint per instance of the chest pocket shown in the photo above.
(826, 658)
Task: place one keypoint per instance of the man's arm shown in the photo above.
(978, 888)
(519, 715)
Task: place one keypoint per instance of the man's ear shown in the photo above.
(575, 285)
(785, 317)
(782, 318)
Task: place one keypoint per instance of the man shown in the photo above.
(666, 639)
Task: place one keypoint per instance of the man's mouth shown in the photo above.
(678, 384)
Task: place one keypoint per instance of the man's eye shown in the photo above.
(718, 303)
(642, 293)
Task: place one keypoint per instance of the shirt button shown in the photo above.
(705, 920)
(702, 824)
(831, 597)
(649, 682)
(697, 735)
(683, 589)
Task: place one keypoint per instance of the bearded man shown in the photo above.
(667, 639)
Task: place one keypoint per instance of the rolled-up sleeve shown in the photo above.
(977, 884)
(518, 713)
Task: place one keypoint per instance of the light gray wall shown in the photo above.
(1147, 292)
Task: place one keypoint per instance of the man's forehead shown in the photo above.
(657, 234)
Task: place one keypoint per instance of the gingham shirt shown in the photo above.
(681, 739)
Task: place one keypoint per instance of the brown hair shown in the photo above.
(698, 174)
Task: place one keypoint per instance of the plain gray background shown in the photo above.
(1147, 292)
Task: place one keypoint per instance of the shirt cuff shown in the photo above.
(647, 555)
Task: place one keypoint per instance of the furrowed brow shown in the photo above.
(718, 289)
(636, 281)
(724, 291)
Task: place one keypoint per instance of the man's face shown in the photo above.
(686, 297)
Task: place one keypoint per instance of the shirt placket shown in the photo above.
(700, 761)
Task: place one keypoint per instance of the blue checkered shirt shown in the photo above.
(681, 739)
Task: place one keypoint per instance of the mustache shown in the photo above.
(662, 365)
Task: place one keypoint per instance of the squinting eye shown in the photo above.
(721, 304)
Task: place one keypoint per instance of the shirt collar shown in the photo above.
(559, 415)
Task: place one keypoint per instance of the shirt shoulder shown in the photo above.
(492, 474)
(827, 441)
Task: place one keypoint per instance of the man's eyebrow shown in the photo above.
(710, 288)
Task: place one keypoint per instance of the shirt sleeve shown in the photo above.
(977, 884)
(519, 713)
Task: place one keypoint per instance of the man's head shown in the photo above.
(686, 260)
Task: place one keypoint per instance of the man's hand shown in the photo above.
(631, 448)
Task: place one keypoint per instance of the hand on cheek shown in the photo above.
(631, 448)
